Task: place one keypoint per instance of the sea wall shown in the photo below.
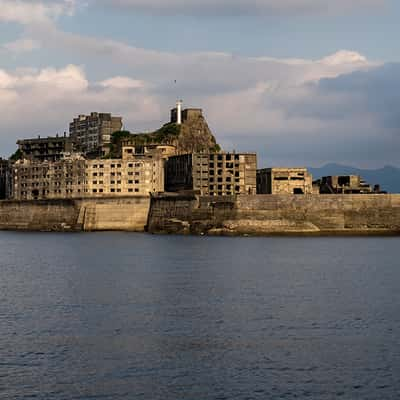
(94, 214)
(225, 215)
(276, 214)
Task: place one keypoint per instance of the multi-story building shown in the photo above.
(35, 180)
(129, 176)
(75, 177)
(284, 181)
(5, 178)
(215, 174)
(42, 149)
(91, 134)
(346, 184)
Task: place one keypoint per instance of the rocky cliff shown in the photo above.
(193, 135)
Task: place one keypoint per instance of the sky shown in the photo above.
(301, 82)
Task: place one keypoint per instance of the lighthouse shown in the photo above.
(179, 112)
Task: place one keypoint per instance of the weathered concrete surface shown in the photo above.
(276, 214)
(124, 214)
(129, 214)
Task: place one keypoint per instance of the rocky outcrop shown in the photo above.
(192, 136)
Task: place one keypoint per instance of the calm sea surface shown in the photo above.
(134, 316)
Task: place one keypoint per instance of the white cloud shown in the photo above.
(34, 11)
(243, 7)
(122, 82)
(44, 101)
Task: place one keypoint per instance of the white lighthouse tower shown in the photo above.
(179, 112)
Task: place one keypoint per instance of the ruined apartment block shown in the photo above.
(137, 175)
(284, 181)
(49, 148)
(35, 180)
(215, 174)
(91, 134)
(5, 179)
(76, 177)
(345, 184)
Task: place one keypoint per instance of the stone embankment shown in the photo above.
(106, 214)
(276, 215)
(189, 214)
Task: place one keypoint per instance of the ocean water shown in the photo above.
(135, 316)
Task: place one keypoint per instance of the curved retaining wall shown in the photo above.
(276, 214)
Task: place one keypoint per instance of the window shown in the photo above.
(136, 181)
(94, 190)
(112, 190)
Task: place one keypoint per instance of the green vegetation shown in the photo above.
(165, 134)
(117, 136)
(16, 156)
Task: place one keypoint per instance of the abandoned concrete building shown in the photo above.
(216, 174)
(284, 181)
(76, 177)
(132, 175)
(345, 184)
(49, 148)
(149, 150)
(91, 134)
(5, 178)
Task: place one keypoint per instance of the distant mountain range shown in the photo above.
(388, 177)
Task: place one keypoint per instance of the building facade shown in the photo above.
(76, 177)
(91, 134)
(35, 180)
(5, 179)
(284, 181)
(212, 174)
(135, 176)
(42, 149)
(344, 184)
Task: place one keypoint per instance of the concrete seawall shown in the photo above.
(94, 214)
(251, 215)
(276, 214)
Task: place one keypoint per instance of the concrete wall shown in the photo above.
(225, 215)
(277, 214)
(46, 215)
(128, 214)
(124, 214)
